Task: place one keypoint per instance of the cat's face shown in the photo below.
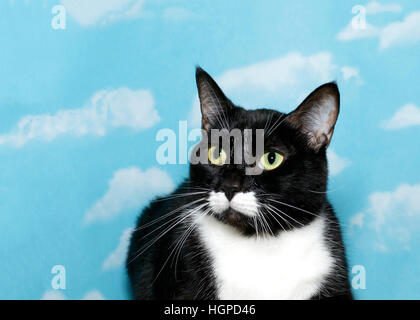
(289, 187)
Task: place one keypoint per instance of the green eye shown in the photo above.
(217, 159)
(270, 160)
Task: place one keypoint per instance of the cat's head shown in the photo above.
(289, 187)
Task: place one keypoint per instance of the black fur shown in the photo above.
(157, 271)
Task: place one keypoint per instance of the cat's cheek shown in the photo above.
(245, 203)
(218, 202)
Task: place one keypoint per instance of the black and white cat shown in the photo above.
(225, 234)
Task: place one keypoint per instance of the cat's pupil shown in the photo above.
(271, 157)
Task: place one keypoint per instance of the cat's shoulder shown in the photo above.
(162, 204)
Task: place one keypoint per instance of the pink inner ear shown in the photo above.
(212, 101)
(316, 120)
(320, 122)
(324, 126)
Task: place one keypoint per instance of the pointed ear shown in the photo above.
(214, 104)
(316, 115)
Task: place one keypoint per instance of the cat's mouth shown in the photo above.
(243, 205)
(234, 218)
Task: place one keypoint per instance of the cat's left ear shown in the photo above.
(316, 115)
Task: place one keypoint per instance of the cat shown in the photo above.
(226, 234)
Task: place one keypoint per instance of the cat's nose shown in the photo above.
(230, 189)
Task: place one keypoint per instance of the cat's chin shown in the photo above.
(235, 219)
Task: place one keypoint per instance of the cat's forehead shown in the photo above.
(255, 119)
(267, 119)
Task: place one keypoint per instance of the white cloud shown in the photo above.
(406, 116)
(375, 7)
(350, 33)
(396, 33)
(336, 164)
(357, 220)
(404, 201)
(177, 14)
(53, 295)
(122, 107)
(58, 295)
(279, 73)
(128, 189)
(93, 295)
(380, 247)
(94, 12)
(351, 73)
(287, 79)
(394, 216)
(401, 32)
(117, 257)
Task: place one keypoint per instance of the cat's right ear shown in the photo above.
(213, 102)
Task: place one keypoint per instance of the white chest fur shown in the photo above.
(292, 265)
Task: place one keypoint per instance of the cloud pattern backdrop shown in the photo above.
(81, 107)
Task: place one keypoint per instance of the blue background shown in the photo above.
(51, 182)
